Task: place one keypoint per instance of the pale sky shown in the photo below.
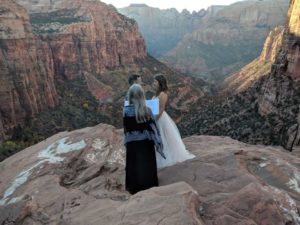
(190, 5)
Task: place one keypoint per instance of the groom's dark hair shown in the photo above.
(132, 78)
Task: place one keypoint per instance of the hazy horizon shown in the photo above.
(190, 5)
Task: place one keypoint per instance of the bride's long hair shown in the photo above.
(136, 98)
(162, 82)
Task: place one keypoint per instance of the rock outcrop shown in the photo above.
(227, 41)
(244, 78)
(78, 178)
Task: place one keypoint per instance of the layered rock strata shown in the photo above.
(27, 68)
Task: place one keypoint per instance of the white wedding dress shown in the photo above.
(174, 148)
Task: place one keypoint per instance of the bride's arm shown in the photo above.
(163, 98)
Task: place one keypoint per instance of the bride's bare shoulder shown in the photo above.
(163, 94)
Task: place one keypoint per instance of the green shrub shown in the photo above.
(10, 147)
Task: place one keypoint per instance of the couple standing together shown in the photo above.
(152, 141)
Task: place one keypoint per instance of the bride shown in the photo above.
(174, 148)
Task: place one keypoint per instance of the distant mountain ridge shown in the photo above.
(210, 43)
(229, 40)
(162, 29)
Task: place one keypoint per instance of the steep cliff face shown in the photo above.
(67, 40)
(229, 40)
(285, 70)
(294, 20)
(27, 68)
(266, 112)
(43, 5)
(280, 93)
(259, 67)
(87, 36)
(256, 13)
(293, 44)
(162, 29)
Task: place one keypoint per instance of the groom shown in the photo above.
(133, 79)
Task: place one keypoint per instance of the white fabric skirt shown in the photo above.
(174, 147)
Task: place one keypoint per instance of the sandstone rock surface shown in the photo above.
(78, 178)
